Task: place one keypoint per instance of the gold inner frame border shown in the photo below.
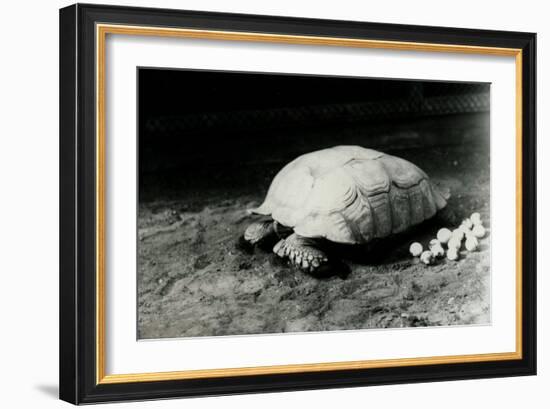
(102, 30)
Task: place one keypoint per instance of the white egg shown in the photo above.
(443, 235)
(464, 228)
(454, 243)
(434, 242)
(437, 251)
(478, 231)
(427, 257)
(415, 249)
(452, 254)
(458, 234)
(475, 218)
(467, 223)
(471, 243)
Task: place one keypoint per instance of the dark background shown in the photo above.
(206, 129)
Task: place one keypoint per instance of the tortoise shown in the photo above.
(345, 194)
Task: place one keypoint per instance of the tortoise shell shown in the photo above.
(351, 195)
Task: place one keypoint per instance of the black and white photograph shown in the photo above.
(282, 203)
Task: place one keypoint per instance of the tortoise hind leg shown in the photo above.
(258, 232)
(303, 252)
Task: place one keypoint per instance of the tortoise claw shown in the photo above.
(302, 252)
(279, 248)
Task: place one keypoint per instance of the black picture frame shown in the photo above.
(78, 312)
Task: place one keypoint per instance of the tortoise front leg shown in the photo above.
(304, 253)
(259, 231)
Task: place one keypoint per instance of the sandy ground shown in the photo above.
(195, 278)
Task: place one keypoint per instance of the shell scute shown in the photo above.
(429, 205)
(400, 209)
(315, 226)
(403, 173)
(381, 209)
(378, 180)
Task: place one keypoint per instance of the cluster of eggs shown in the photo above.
(469, 231)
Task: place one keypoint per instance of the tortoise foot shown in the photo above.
(258, 232)
(302, 252)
